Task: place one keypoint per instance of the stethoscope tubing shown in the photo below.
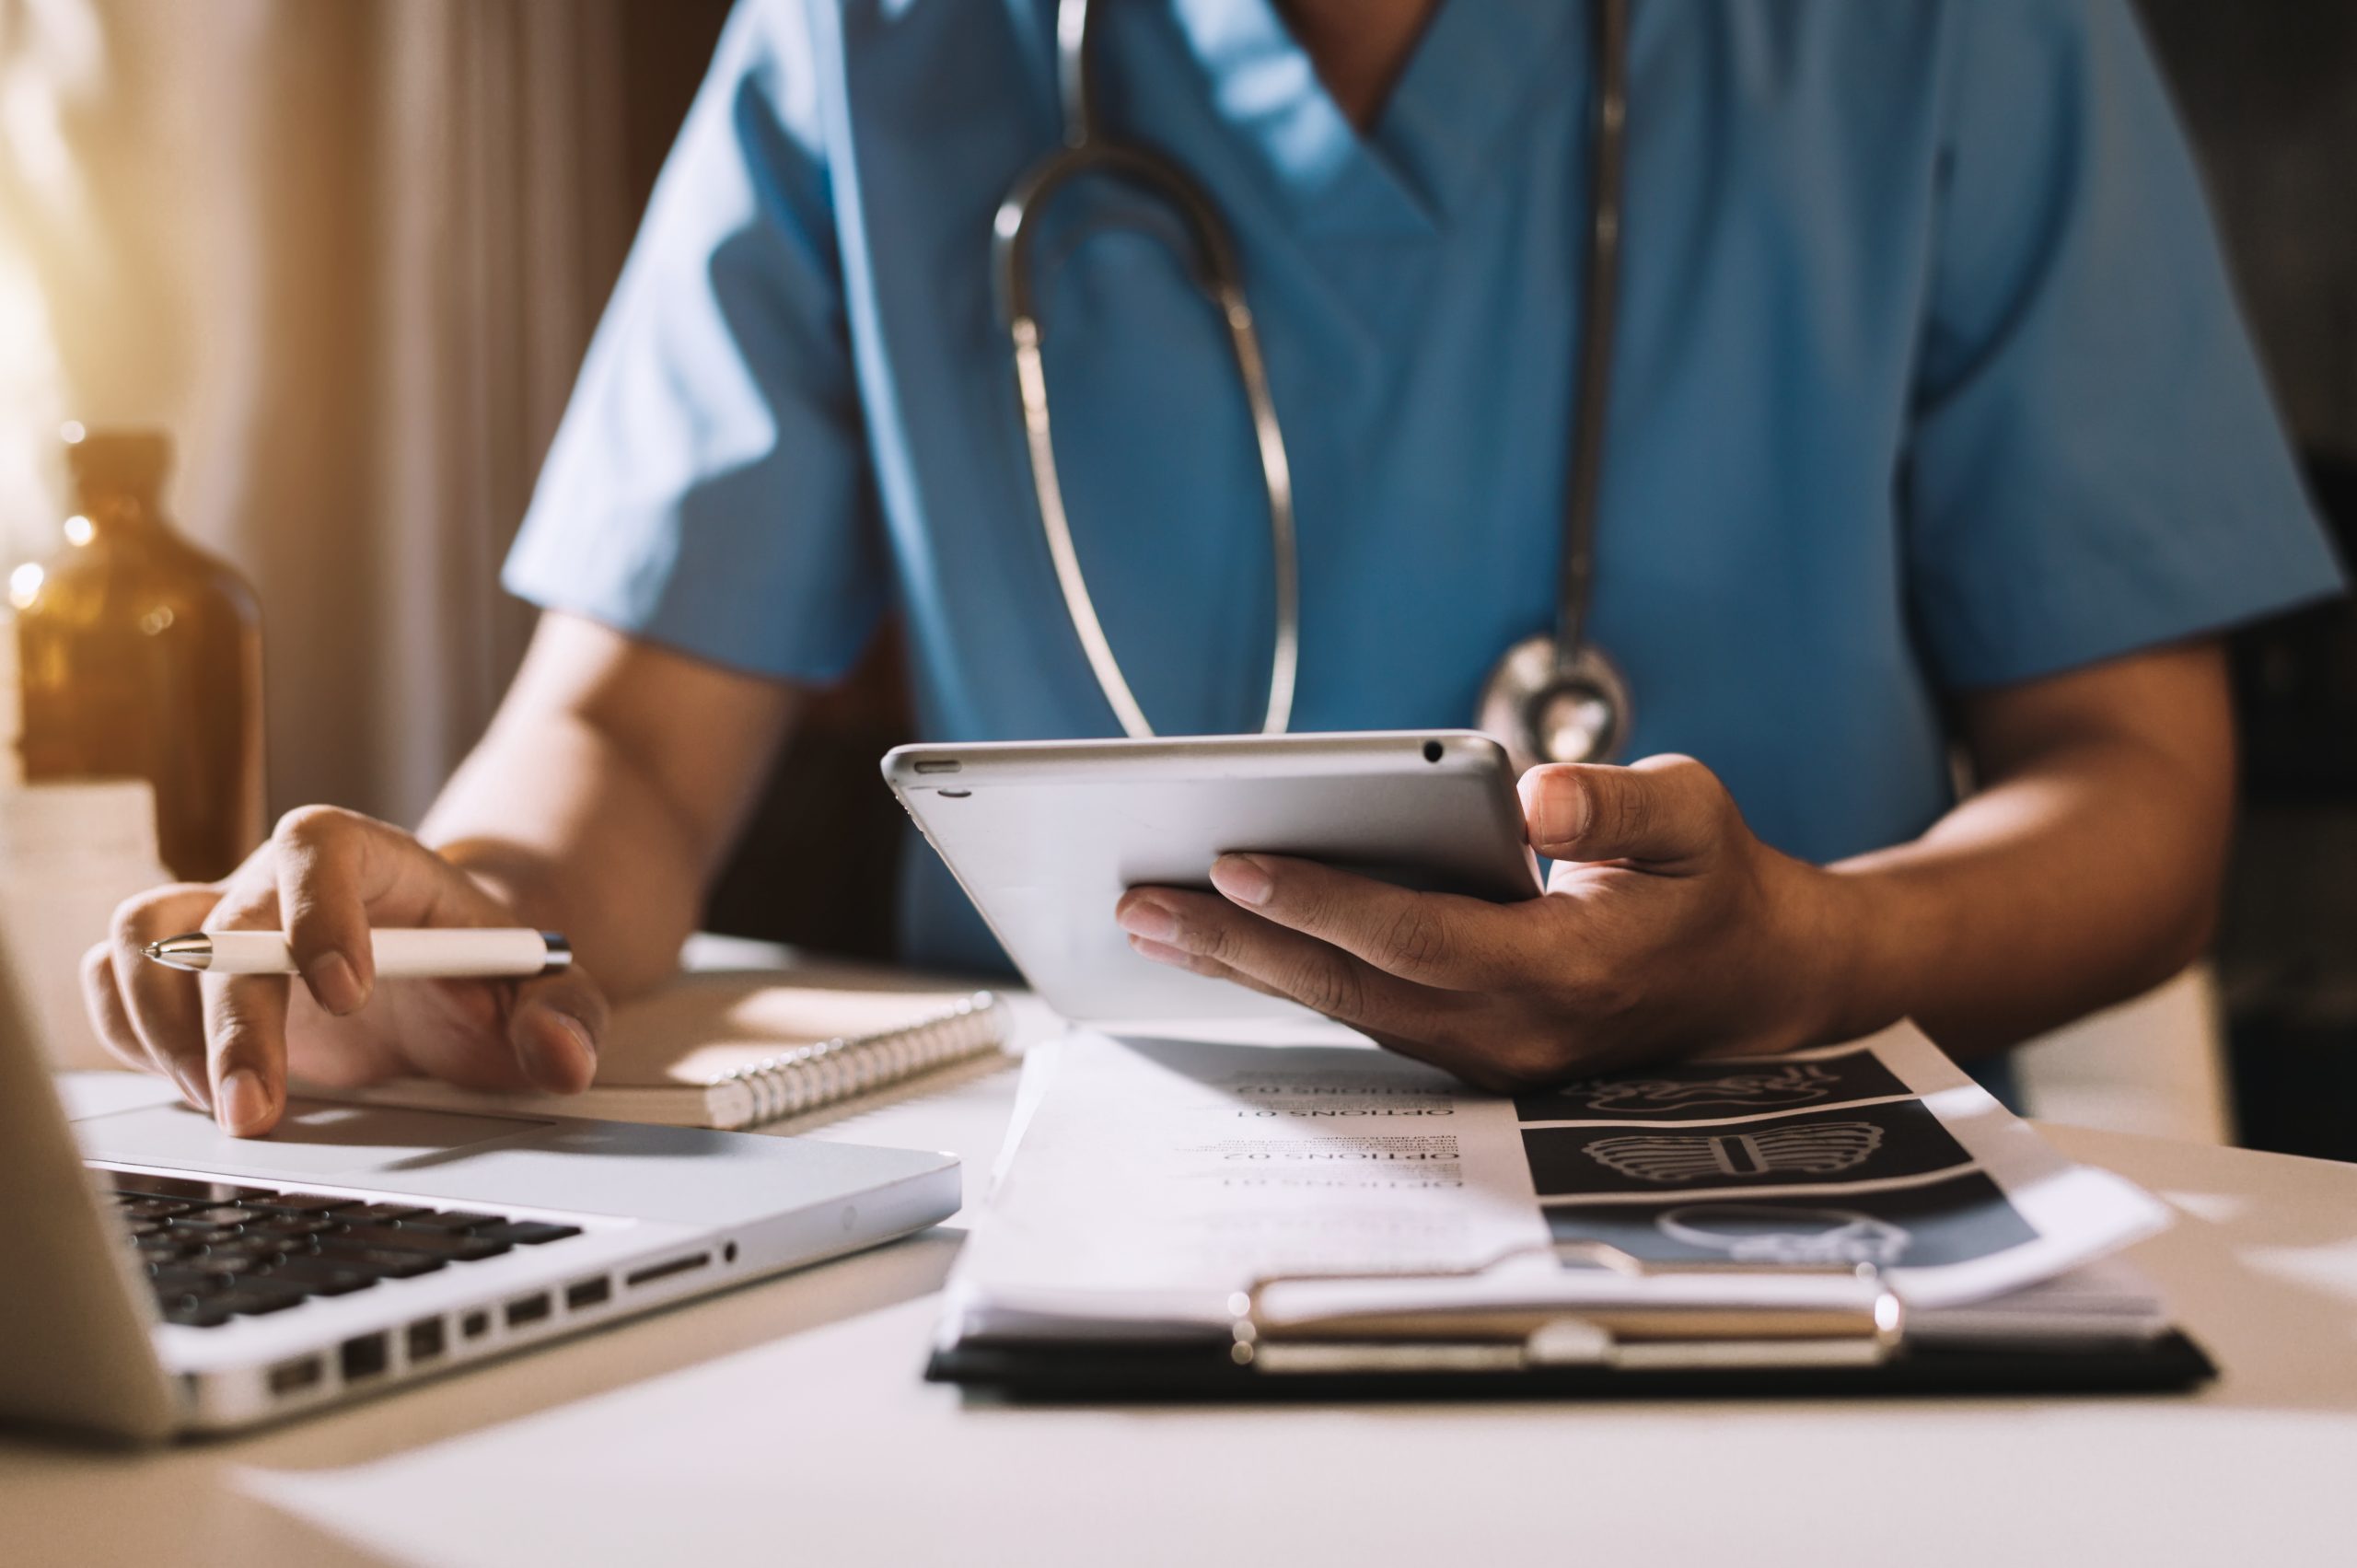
(1086, 152)
(1216, 274)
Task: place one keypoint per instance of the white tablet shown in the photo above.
(1044, 836)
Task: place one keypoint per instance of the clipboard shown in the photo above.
(1851, 1340)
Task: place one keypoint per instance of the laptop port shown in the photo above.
(303, 1372)
(424, 1338)
(527, 1309)
(363, 1357)
(587, 1293)
(665, 1270)
(475, 1325)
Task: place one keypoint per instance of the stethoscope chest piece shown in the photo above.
(1543, 708)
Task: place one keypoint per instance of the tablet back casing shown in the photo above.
(1045, 836)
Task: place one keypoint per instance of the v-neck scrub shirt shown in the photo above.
(1927, 379)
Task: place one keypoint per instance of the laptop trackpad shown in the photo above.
(313, 1139)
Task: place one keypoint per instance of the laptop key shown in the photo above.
(301, 1203)
(149, 1208)
(142, 1185)
(319, 1276)
(240, 1241)
(252, 1298)
(383, 1264)
(527, 1233)
(380, 1214)
(434, 1243)
(184, 1281)
(196, 1314)
(297, 1224)
(446, 1220)
(224, 1216)
(167, 1247)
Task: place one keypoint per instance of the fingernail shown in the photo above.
(334, 983)
(1243, 878)
(244, 1102)
(1564, 810)
(1143, 917)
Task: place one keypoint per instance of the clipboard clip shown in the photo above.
(1502, 1316)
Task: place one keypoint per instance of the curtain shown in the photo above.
(349, 256)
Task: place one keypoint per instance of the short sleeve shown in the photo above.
(708, 488)
(2094, 465)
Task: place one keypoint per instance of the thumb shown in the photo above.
(1663, 809)
(555, 1028)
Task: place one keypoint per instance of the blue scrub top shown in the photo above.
(1928, 378)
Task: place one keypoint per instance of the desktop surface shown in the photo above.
(789, 1421)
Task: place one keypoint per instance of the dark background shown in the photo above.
(2270, 94)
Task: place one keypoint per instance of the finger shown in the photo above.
(1195, 963)
(161, 1002)
(1317, 974)
(1658, 812)
(244, 1022)
(1431, 938)
(337, 874)
(330, 863)
(106, 1016)
(555, 1028)
(1446, 1054)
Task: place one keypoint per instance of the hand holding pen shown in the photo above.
(340, 901)
(454, 953)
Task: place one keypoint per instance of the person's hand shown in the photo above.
(327, 878)
(1667, 928)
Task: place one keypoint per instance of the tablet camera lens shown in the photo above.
(1431, 751)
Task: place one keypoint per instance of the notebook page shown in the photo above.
(703, 1027)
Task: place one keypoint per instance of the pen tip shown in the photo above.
(192, 952)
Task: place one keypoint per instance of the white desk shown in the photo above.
(786, 1422)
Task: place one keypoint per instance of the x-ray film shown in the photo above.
(1868, 1145)
(1720, 1090)
(1951, 1221)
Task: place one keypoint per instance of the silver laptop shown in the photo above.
(168, 1279)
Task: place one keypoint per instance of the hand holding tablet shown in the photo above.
(1386, 881)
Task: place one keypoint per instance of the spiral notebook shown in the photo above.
(728, 1050)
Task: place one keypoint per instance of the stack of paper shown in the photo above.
(1148, 1181)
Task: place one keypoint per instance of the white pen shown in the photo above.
(444, 953)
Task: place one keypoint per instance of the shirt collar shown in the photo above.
(1435, 140)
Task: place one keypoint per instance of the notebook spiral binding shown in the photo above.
(810, 1077)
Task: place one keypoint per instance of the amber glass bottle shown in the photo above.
(142, 659)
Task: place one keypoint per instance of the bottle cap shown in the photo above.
(117, 460)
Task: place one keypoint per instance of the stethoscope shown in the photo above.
(1554, 697)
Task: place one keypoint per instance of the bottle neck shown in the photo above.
(113, 512)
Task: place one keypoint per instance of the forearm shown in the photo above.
(559, 821)
(2085, 872)
(608, 790)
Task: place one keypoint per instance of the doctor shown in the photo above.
(1928, 433)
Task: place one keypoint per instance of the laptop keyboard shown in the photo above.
(214, 1250)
